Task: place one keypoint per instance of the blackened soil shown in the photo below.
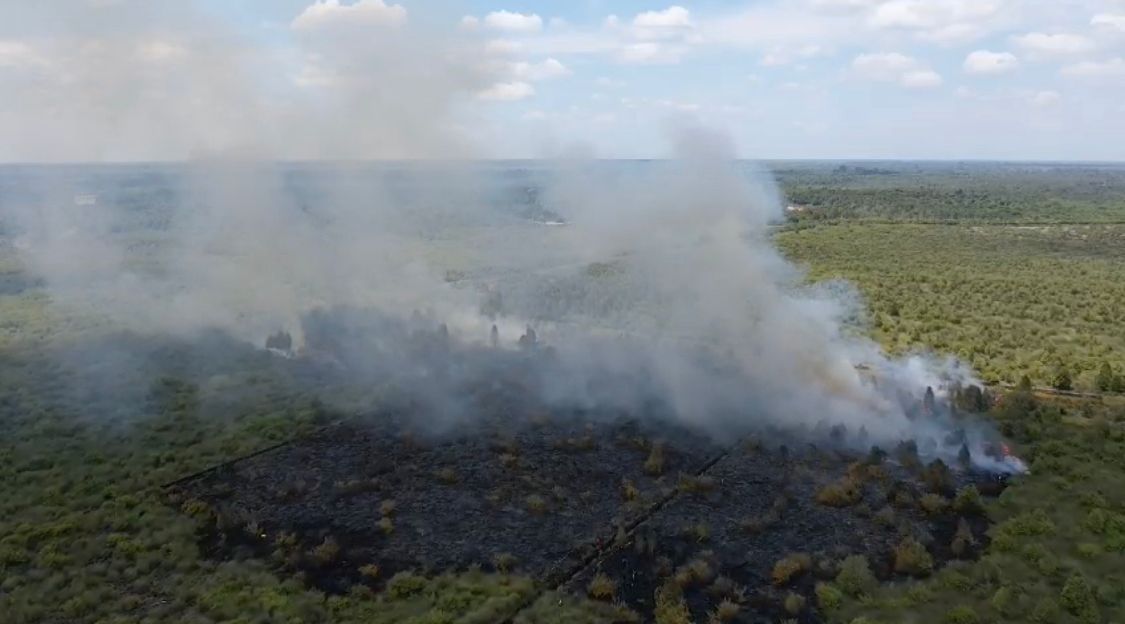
(566, 497)
(722, 541)
(543, 499)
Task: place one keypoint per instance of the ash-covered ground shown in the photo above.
(470, 462)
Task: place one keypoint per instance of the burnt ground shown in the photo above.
(564, 498)
(567, 496)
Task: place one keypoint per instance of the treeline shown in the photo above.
(953, 192)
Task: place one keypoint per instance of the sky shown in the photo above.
(129, 80)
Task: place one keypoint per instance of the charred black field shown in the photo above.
(634, 509)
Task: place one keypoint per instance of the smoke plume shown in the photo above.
(650, 283)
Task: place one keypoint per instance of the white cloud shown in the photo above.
(988, 62)
(781, 55)
(895, 67)
(502, 47)
(953, 34)
(1096, 69)
(1044, 99)
(609, 83)
(672, 17)
(921, 79)
(843, 6)
(470, 23)
(925, 14)
(1057, 44)
(883, 65)
(651, 52)
(671, 23)
(514, 22)
(1111, 20)
(507, 92)
(550, 68)
(329, 13)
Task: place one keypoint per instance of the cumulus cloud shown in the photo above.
(1111, 68)
(895, 67)
(941, 21)
(330, 13)
(667, 24)
(1054, 44)
(514, 22)
(1109, 20)
(988, 62)
(507, 92)
(550, 68)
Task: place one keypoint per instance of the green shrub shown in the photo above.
(405, 584)
(968, 501)
(794, 603)
(962, 615)
(1078, 599)
(828, 597)
(912, 558)
(855, 577)
(933, 504)
(1046, 611)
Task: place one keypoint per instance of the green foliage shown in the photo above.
(855, 577)
(912, 558)
(1011, 301)
(828, 597)
(1078, 599)
(968, 501)
(962, 615)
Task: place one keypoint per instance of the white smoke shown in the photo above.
(694, 303)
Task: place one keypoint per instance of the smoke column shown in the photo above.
(664, 278)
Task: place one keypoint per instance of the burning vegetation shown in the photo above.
(639, 509)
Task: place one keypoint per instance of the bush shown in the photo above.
(912, 558)
(791, 566)
(842, 493)
(968, 501)
(654, 464)
(962, 615)
(794, 603)
(669, 605)
(1078, 599)
(601, 587)
(1046, 611)
(726, 611)
(855, 577)
(932, 504)
(405, 584)
(327, 552)
(828, 597)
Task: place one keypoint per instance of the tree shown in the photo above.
(1024, 384)
(1062, 379)
(1106, 379)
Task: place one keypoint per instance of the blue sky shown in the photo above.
(992, 79)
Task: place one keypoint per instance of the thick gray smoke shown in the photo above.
(660, 283)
